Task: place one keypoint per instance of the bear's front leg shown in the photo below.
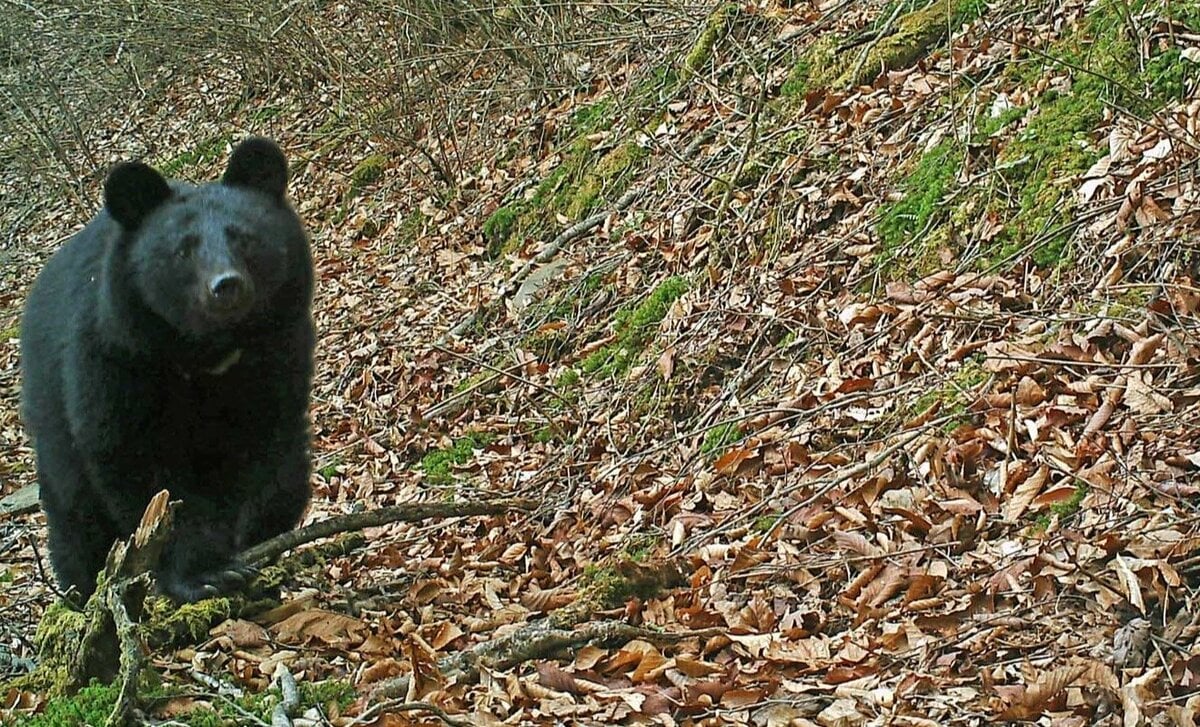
(201, 559)
(277, 490)
(81, 530)
(269, 497)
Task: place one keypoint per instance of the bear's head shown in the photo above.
(205, 258)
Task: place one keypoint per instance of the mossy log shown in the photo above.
(915, 35)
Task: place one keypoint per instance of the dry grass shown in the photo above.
(412, 74)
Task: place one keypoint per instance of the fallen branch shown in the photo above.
(535, 640)
(575, 231)
(270, 549)
(557, 632)
(106, 641)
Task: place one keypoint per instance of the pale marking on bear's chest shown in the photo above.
(221, 368)
(226, 363)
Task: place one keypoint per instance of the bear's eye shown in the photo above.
(239, 239)
(187, 245)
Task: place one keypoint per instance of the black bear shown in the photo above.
(169, 345)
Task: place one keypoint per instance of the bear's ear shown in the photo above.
(132, 191)
(258, 163)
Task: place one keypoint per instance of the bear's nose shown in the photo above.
(227, 289)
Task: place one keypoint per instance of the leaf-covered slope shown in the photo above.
(876, 320)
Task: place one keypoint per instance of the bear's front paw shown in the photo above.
(188, 588)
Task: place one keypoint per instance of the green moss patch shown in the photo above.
(1071, 505)
(1040, 166)
(640, 546)
(633, 328)
(988, 125)
(916, 33)
(814, 68)
(921, 207)
(330, 468)
(715, 28)
(612, 589)
(651, 92)
(91, 705)
(908, 39)
(914, 229)
(581, 182)
(913, 34)
(955, 395)
(719, 438)
(593, 117)
(57, 639)
(504, 229)
(607, 179)
(167, 622)
(367, 172)
(567, 381)
(568, 387)
(499, 227)
(1063, 510)
(439, 464)
(764, 523)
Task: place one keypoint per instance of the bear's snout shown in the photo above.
(229, 293)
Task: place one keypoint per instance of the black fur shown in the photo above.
(145, 369)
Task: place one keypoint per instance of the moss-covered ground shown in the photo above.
(438, 464)
(1042, 149)
(93, 704)
(634, 326)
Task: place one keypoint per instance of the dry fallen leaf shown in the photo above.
(324, 627)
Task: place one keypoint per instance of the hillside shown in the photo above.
(847, 349)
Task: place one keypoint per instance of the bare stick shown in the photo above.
(276, 546)
(287, 707)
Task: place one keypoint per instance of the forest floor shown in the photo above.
(875, 351)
